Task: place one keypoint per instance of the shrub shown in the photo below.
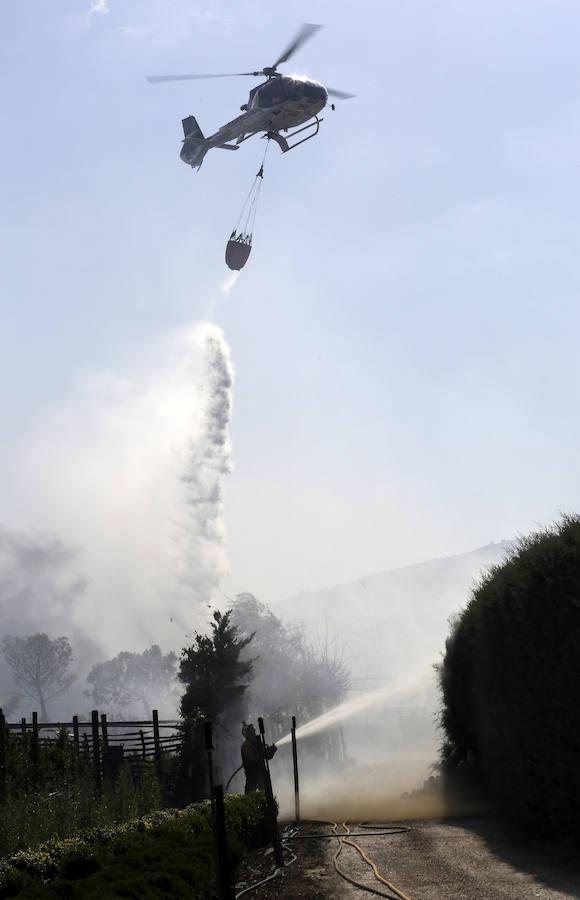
(53, 795)
(167, 853)
(510, 682)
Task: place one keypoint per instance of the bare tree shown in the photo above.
(290, 674)
(146, 678)
(40, 666)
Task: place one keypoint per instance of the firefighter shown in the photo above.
(254, 759)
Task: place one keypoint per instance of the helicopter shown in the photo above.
(281, 103)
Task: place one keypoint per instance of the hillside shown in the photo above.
(393, 621)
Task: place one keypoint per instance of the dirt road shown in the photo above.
(437, 860)
(465, 860)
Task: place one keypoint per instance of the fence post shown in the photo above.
(76, 742)
(96, 752)
(23, 727)
(3, 736)
(276, 843)
(216, 793)
(157, 742)
(34, 746)
(295, 763)
(104, 730)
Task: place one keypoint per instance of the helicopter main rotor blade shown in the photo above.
(157, 79)
(305, 32)
(342, 95)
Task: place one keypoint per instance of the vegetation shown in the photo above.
(510, 685)
(51, 793)
(167, 853)
(145, 679)
(212, 671)
(249, 664)
(215, 679)
(290, 675)
(40, 666)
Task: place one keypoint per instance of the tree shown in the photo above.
(40, 666)
(215, 679)
(291, 676)
(145, 678)
(279, 658)
(212, 671)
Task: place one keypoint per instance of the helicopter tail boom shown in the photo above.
(195, 145)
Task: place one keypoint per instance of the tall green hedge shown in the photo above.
(510, 682)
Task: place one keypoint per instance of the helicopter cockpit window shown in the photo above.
(276, 91)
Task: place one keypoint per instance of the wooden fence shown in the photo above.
(102, 743)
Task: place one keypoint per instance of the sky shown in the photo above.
(404, 337)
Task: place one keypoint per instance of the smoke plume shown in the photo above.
(128, 471)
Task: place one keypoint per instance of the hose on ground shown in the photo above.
(396, 893)
(275, 874)
(378, 829)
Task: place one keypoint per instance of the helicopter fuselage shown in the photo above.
(279, 104)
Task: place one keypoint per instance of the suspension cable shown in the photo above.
(249, 210)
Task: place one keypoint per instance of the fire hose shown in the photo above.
(277, 872)
(231, 778)
(379, 830)
(395, 891)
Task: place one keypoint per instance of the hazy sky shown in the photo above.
(405, 335)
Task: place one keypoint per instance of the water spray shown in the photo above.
(374, 697)
(228, 283)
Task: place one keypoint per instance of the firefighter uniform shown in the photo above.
(254, 759)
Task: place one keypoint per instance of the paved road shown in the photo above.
(462, 860)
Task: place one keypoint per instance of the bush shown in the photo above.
(53, 795)
(510, 682)
(167, 853)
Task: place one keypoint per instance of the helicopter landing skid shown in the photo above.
(283, 141)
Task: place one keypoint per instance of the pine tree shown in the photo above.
(215, 681)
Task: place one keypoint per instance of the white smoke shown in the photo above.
(129, 472)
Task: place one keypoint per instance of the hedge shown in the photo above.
(165, 854)
(510, 682)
